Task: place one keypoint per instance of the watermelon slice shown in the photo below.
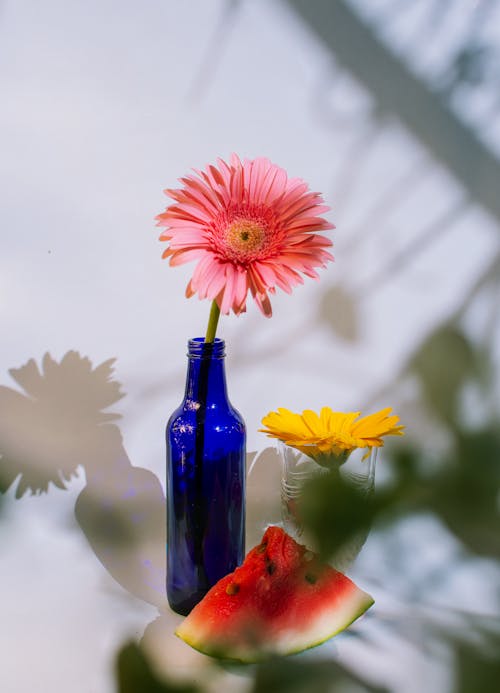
(282, 600)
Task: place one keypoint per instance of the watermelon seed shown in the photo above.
(271, 568)
(232, 589)
(262, 547)
(311, 579)
(308, 556)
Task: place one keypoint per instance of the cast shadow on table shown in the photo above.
(58, 422)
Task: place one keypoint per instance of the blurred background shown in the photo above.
(390, 108)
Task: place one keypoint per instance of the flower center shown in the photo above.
(244, 238)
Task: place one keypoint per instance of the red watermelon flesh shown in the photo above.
(280, 601)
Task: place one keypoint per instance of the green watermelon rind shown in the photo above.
(363, 609)
(256, 656)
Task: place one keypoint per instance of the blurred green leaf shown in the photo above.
(466, 492)
(339, 310)
(443, 364)
(476, 672)
(335, 511)
(293, 676)
(135, 674)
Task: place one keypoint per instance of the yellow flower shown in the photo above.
(331, 433)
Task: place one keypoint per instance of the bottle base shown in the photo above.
(184, 606)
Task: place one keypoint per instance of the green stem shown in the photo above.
(212, 322)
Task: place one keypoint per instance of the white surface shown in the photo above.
(97, 117)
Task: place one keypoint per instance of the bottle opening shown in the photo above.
(197, 348)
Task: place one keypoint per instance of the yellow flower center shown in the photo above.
(244, 237)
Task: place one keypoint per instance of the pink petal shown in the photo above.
(240, 291)
(254, 192)
(182, 256)
(277, 186)
(229, 290)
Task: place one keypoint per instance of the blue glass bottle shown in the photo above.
(205, 481)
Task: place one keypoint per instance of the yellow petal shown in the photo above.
(330, 432)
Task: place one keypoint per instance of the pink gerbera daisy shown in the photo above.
(250, 227)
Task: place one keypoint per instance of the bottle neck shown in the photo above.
(206, 377)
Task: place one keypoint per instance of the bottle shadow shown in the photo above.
(59, 423)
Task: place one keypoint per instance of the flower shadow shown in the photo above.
(50, 429)
(57, 425)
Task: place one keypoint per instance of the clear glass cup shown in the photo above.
(298, 468)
